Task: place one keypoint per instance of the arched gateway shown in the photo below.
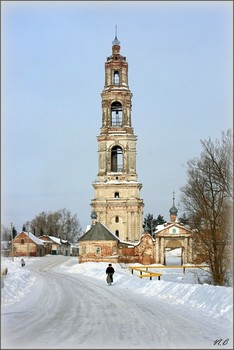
(173, 235)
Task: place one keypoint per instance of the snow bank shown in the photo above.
(18, 280)
(215, 300)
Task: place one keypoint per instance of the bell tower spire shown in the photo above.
(117, 200)
(115, 43)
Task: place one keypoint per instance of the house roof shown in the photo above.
(50, 239)
(98, 232)
(32, 237)
(55, 239)
(167, 225)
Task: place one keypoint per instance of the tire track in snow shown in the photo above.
(78, 312)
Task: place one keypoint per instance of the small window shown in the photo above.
(174, 230)
(83, 250)
(116, 194)
(116, 219)
(22, 241)
(98, 250)
(117, 233)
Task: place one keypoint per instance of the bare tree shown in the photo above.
(207, 200)
(60, 223)
(5, 233)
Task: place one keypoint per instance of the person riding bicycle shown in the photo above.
(110, 271)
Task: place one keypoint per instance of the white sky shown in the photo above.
(180, 313)
(53, 55)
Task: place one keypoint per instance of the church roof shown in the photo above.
(173, 209)
(98, 232)
(167, 225)
(116, 41)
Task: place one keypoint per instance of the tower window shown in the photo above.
(116, 219)
(117, 233)
(116, 159)
(116, 77)
(116, 114)
(116, 194)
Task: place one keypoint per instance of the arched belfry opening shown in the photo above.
(116, 77)
(116, 114)
(116, 159)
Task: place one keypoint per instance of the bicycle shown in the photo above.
(109, 279)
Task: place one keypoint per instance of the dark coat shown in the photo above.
(110, 269)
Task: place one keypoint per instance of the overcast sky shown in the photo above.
(53, 55)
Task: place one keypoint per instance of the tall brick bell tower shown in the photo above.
(117, 203)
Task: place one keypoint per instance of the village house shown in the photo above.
(26, 244)
(52, 244)
(74, 249)
(65, 247)
(55, 245)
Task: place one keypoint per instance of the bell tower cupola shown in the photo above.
(173, 211)
(117, 200)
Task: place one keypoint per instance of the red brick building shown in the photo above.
(99, 244)
(26, 244)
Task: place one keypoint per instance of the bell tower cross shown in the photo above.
(117, 202)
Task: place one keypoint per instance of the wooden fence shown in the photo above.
(145, 272)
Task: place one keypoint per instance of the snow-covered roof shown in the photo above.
(32, 237)
(64, 241)
(88, 227)
(129, 244)
(55, 239)
(167, 225)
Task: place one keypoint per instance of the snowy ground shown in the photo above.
(185, 314)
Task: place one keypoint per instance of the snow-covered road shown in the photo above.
(64, 311)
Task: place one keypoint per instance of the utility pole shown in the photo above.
(12, 247)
